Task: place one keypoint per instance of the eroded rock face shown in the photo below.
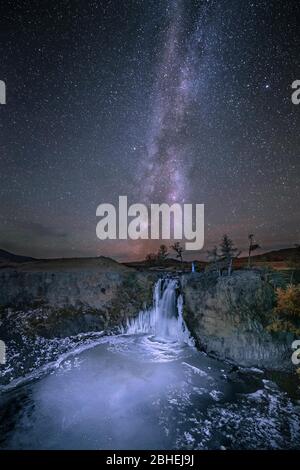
(228, 315)
(63, 299)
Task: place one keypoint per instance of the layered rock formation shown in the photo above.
(228, 318)
(65, 297)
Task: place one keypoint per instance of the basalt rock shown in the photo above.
(62, 298)
(228, 316)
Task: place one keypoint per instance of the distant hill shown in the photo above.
(280, 259)
(284, 254)
(6, 256)
(101, 263)
(28, 264)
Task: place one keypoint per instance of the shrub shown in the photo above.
(288, 301)
(286, 314)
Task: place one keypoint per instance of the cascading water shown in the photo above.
(164, 320)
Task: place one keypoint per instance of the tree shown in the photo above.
(178, 249)
(213, 258)
(228, 252)
(252, 246)
(162, 253)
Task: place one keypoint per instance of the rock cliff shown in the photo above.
(227, 316)
(65, 297)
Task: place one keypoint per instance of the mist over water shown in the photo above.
(148, 388)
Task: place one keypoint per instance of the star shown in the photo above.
(167, 101)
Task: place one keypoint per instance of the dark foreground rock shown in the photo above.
(228, 318)
(65, 297)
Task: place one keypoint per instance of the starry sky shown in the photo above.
(159, 100)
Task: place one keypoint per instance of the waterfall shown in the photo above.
(165, 319)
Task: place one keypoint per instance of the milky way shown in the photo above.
(167, 159)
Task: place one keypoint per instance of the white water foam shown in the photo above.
(165, 319)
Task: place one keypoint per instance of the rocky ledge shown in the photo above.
(66, 297)
(228, 316)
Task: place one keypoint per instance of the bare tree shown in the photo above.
(178, 249)
(252, 246)
(162, 253)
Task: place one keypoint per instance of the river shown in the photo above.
(146, 388)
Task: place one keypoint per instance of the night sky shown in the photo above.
(159, 100)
